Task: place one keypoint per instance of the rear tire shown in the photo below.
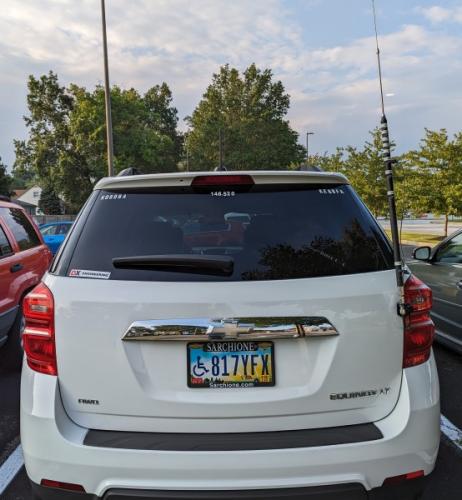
(12, 352)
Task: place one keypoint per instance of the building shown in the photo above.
(28, 199)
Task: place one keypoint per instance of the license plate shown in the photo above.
(217, 365)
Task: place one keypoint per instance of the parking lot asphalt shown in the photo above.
(445, 482)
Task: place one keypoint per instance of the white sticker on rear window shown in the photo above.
(113, 196)
(331, 191)
(224, 194)
(84, 273)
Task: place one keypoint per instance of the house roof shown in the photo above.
(18, 192)
(23, 203)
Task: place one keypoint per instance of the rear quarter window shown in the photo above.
(271, 233)
(5, 247)
(23, 231)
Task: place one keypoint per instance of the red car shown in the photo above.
(24, 258)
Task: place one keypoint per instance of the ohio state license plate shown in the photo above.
(235, 364)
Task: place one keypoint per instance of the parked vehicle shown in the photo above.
(24, 258)
(441, 269)
(54, 233)
(271, 366)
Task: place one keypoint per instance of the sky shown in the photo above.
(323, 51)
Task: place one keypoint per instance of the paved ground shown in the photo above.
(425, 226)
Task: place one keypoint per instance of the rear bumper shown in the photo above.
(332, 492)
(54, 449)
(346, 491)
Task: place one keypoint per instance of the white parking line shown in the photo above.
(451, 432)
(10, 468)
(15, 461)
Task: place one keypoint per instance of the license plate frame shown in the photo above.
(241, 380)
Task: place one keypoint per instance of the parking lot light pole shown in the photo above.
(107, 95)
(307, 144)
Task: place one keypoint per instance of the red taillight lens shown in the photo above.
(39, 331)
(419, 329)
(403, 477)
(62, 486)
(222, 180)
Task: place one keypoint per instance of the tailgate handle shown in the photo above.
(16, 267)
(206, 329)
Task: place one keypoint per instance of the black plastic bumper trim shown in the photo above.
(233, 441)
(333, 492)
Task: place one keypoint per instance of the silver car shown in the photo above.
(441, 269)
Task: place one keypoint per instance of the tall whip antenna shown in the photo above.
(389, 162)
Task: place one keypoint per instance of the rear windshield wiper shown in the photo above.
(217, 265)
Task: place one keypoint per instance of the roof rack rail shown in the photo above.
(310, 168)
(128, 171)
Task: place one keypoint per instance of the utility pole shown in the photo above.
(186, 148)
(107, 95)
(220, 140)
(307, 144)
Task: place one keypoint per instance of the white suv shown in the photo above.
(175, 351)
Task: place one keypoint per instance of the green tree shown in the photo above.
(250, 110)
(22, 180)
(49, 202)
(408, 199)
(437, 167)
(334, 162)
(49, 106)
(364, 168)
(5, 180)
(145, 137)
(66, 148)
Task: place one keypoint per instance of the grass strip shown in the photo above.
(432, 239)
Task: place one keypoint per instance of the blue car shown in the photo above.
(54, 233)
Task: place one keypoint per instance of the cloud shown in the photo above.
(437, 14)
(333, 87)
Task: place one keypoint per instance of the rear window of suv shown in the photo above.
(274, 232)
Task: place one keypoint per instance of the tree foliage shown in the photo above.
(49, 106)
(364, 168)
(250, 110)
(65, 151)
(49, 202)
(66, 148)
(436, 168)
(428, 179)
(5, 180)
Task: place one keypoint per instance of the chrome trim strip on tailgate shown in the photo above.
(206, 329)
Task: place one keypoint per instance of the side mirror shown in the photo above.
(422, 253)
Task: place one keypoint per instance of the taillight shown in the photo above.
(403, 477)
(39, 330)
(62, 486)
(222, 180)
(419, 329)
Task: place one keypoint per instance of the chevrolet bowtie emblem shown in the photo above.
(227, 329)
